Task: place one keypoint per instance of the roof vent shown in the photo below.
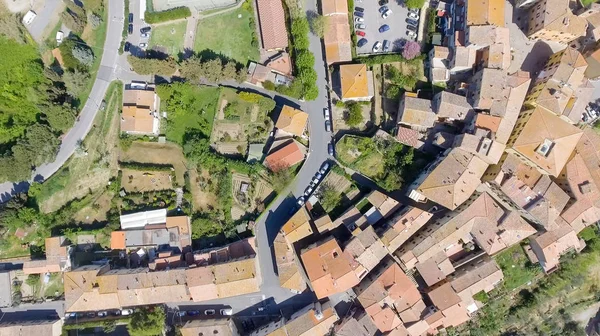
(566, 21)
(545, 147)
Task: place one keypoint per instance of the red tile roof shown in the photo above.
(272, 24)
(285, 157)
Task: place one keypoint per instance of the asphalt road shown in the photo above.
(106, 73)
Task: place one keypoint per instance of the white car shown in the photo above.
(413, 16)
(28, 18)
(326, 114)
(144, 35)
(360, 20)
(143, 45)
(377, 47)
(386, 14)
(411, 34)
(227, 312)
(59, 37)
(126, 312)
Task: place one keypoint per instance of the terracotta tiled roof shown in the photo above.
(444, 297)
(485, 12)
(484, 275)
(306, 322)
(292, 121)
(330, 7)
(354, 81)
(117, 240)
(487, 121)
(272, 24)
(285, 157)
(409, 137)
(338, 45)
(550, 245)
(545, 127)
(289, 275)
(298, 226)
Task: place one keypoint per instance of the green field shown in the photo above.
(516, 267)
(361, 154)
(168, 38)
(229, 35)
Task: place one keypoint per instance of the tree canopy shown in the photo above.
(147, 322)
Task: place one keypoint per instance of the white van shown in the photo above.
(28, 18)
(59, 37)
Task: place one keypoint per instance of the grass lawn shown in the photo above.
(195, 110)
(82, 172)
(516, 267)
(360, 153)
(228, 35)
(168, 38)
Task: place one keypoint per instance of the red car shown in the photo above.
(360, 33)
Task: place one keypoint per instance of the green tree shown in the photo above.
(33, 280)
(392, 91)
(74, 17)
(354, 114)
(76, 81)
(60, 117)
(305, 59)
(318, 24)
(83, 54)
(147, 322)
(330, 197)
(149, 66)
(415, 3)
(281, 178)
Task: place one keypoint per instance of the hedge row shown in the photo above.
(168, 15)
(146, 166)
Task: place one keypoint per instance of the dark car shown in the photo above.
(384, 28)
(330, 149)
(383, 9)
(130, 17)
(386, 45)
(411, 28)
(127, 46)
(130, 29)
(401, 43)
(412, 22)
(362, 42)
(383, 2)
(359, 9)
(145, 30)
(193, 312)
(91, 314)
(359, 14)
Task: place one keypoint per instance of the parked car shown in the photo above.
(414, 10)
(358, 19)
(126, 312)
(401, 43)
(359, 14)
(127, 46)
(330, 149)
(300, 201)
(360, 26)
(308, 191)
(71, 315)
(412, 22)
(411, 34)
(59, 36)
(227, 312)
(328, 126)
(377, 47)
(326, 113)
(145, 30)
(324, 168)
(193, 312)
(130, 17)
(360, 33)
(209, 312)
(116, 312)
(181, 313)
(413, 16)
(144, 35)
(383, 2)
(130, 29)
(362, 42)
(143, 45)
(103, 313)
(90, 314)
(411, 28)
(383, 9)
(102, 105)
(29, 17)
(359, 9)
(386, 45)
(384, 28)
(385, 14)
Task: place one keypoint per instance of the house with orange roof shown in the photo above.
(58, 257)
(549, 246)
(140, 111)
(553, 20)
(289, 270)
(543, 140)
(292, 121)
(450, 180)
(401, 226)
(285, 157)
(452, 310)
(298, 226)
(271, 20)
(356, 82)
(329, 269)
(561, 87)
(485, 12)
(338, 44)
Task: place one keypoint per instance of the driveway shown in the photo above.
(43, 18)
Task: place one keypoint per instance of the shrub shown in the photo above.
(168, 15)
(411, 50)
(83, 54)
(148, 66)
(354, 116)
(96, 21)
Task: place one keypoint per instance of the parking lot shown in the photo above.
(373, 21)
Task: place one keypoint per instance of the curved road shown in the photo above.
(106, 74)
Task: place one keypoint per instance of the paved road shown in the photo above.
(43, 18)
(106, 73)
(32, 311)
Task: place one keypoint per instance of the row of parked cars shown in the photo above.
(144, 34)
(208, 312)
(103, 313)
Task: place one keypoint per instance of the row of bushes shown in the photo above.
(390, 58)
(159, 167)
(168, 15)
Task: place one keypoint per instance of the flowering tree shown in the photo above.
(411, 50)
